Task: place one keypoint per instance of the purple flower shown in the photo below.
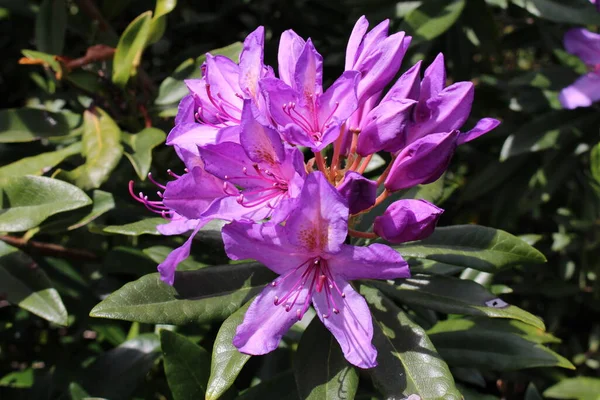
(307, 116)
(585, 90)
(315, 266)
(359, 192)
(407, 220)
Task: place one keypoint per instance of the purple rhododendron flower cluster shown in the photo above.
(239, 134)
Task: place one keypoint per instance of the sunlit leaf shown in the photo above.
(29, 124)
(144, 226)
(50, 26)
(580, 388)
(40, 164)
(128, 54)
(141, 145)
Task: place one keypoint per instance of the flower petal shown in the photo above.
(483, 126)
(434, 79)
(376, 261)
(290, 48)
(177, 225)
(339, 101)
(278, 95)
(193, 193)
(190, 136)
(251, 62)
(228, 161)
(354, 46)
(261, 143)
(167, 268)
(352, 326)
(359, 192)
(186, 110)
(222, 77)
(407, 220)
(408, 86)
(582, 93)
(308, 74)
(584, 44)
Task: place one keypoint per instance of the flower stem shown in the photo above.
(385, 173)
(321, 162)
(364, 164)
(337, 148)
(364, 235)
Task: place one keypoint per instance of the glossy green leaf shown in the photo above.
(158, 254)
(101, 148)
(320, 368)
(186, 365)
(454, 296)
(580, 388)
(579, 12)
(128, 54)
(40, 164)
(48, 60)
(77, 393)
(142, 227)
(281, 387)
(20, 379)
(483, 346)
(197, 296)
(29, 124)
(478, 247)
(173, 88)
(51, 26)
(227, 361)
(159, 19)
(408, 362)
(141, 145)
(431, 19)
(532, 393)
(24, 283)
(102, 203)
(29, 200)
(595, 162)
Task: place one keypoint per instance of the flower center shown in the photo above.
(315, 277)
(225, 109)
(314, 129)
(268, 186)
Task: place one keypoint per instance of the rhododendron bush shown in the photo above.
(338, 200)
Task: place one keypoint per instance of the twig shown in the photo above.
(50, 249)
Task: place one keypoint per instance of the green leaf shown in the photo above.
(580, 12)
(431, 19)
(227, 361)
(102, 203)
(40, 164)
(281, 387)
(29, 124)
(594, 162)
(159, 19)
(76, 392)
(128, 54)
(197, 296)
(29, 200)
(158, 254)
(141, 145)
(408, 362)
(101, 148)
(320, 368)
(186, 366)
(24, 283)
(454, 296)
(580, 388)
(20, 379)
(173, 88)
(143, 227)
(47, 60)
(51, 26)
(478, 247)
(482, 346)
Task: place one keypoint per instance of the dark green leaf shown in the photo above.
(580, 12)
(580, 388)
(407, 361)
(29, 124)
(24, 283)
(532, 393)
(77, 393)
(50, 26)
(478, 247)
(320, 368)
(40, 164)
(595, 162)
(281, 387)
(141, 145)
(145, 226)
(29, 200)
(128, 54)
(227, 361)
(19, 379)
(186, 366)
(159, 19)
(102, 203)
(454, 296)
(431, 19)
(198, 296)
(158, 254)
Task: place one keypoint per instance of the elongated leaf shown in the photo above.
(40, 164)
(77, 393)
(173, 88)
(158, 254)
(101, 148)
(579, 12)
(320, 368)
(478, 247)
(580, 388)
(198, 296)
(454, 296)
(432, 18)
(281, 387)
(408, 362)
(145, 226)
(227, 361)
(19, 379)
(50, 26)
(595, 162)
(29, 124)
(29, 200)
(23, 283)
(186, 366)
(128, 54)
(491, 349)
(141, 145)
(159, 19)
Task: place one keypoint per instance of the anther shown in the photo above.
(299, 315)
(276, 301)
(335, 311)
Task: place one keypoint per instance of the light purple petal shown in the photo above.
(177, 225)
(190, 136)
(265, 323)
(251, 62)
(339, 101)
(295, 135)
(359, 192)
(229, 208)
(582, 93)
(371, 42)
(376, 261)
(228, 134)
(167, 268)
(186, 110)
(261, 143)
(408, 86)
(434, 79)
(407, 220)
(191, 194)
(308, 74)
(354, 46)
(584, 44)
(422, 161)
(482, 127)
(228, 161)
(352, 326)
(290, 48)
(320, 223)
(278, 95)
(222, 76)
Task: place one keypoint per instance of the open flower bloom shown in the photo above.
(315, 266)
(585, 90)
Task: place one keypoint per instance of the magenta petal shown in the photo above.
(582, 93)
(320, 223)
(278, 95)
(222, 77)
(339, 101)
(228, 208)
(584, 44)
(191, 194)
(408, 86)
(434, 79)
(265, 323)
(290, 48)
(450, 108)
(384, 127)
(295, 135)
(251, 62)
(376, 261)
(228, 161)
(355, 42)
(228, 134)
(261, 143)
(177, 225)
(407, 220)
(190, 136)
(422, 161)
(359, 192)
(186, 110)
(167, 268)
(482, 127)
(352, 326)
(308, 74)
